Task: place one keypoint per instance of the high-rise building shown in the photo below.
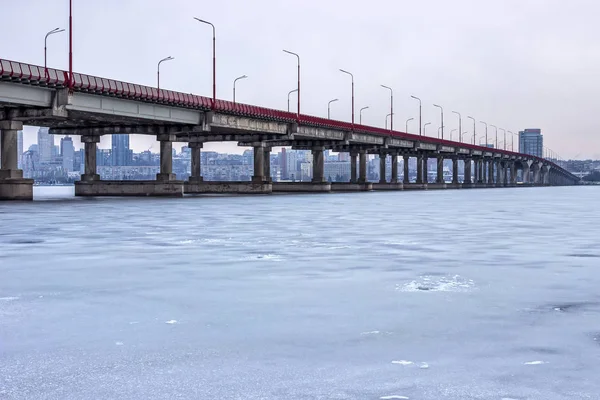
(67, 151)
(531, 141)
(283, 164)
(20, 149)
(45, 145)
(121, 155)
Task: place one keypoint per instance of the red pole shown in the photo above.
(70, 45)
(298, 86)
(352, 100)
(214, 67)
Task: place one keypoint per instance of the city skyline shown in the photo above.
(505, 70)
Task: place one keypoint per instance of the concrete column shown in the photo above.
(440, 170)
(536, 174)
(419, 169)
(526, 172)
(267, 162)
(166, 158)
(467, 170)
(9, 168)
(513, 173)
(394, 168)
(405, 177)
(196, 170)
(455, 171)
(505, 174)
(491, 172)
(353, 157)
(476, 171)
(425, 171)
(362, 167)
(499, 173)
(91, 146)
(382, 160)
(259, 162)
(318, 165)
(481, 173)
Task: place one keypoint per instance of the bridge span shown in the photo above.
(32, 95)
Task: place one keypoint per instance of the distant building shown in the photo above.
(531, 141)
(67, 151)
(337, 171)
(45, 145)
(121, 154)
(283, 164)
(20, 149)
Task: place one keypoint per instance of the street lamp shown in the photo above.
(486, 132)
(329, 108)
(352, 76)
(391, 106)
(420, 114)
(504, 130)
(439, 129)
(407, 121)
(459, 126)
(442, 110)
(234, 81)
(360, 114)
(425, 128)
(496, 128)
(474, 129)
(298, 90)
(70, 46)
(158, 71)
(512, 146)
(452, 131)
(291, 91)
(386, 118)
(52, 32)
(214, 59)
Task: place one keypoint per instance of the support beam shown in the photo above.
(353, 159)
(455, 171)
(382, 160)
(513, 173)
(362, 167)
(440, 170)
(419, 169)
(526, 172)
(259, 162)
(9, 168)
(318, 165)
(394, 168)
(196, 168)
(425, 171)
(405, 177)
(91, 146)
(166, 158)
(490, 175)
(498, 173)
(267, 162)
(467, 171)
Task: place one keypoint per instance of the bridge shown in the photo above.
(91, 106)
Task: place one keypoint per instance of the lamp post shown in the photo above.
(474, 129)
(298, 89)
(391, 106)
(452, 131)
(442, 110)
(512, 145)
(70, 46)
(459, 126)
(386, 118)
(52, 32)
(504, 130)
(329, 108)
(486, 132)
(425, 128)
(214, 59)
(439, 129)
(291, 91)
(496, 128)
(360, 114)
(420, 114)
(234, 81)
(352, 76)
(158, 71)
(407, 121)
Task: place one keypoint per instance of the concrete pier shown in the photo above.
(388, 186)
(259, 162)
(382, 160)
(213, 187)
(394, 168)
(405, 177)
(440, 170)
(362, 168)
(129, 188)
(196, 168)
(12, 184)
(353, 174)
(351, 187)
(467, 178)
(301, 187)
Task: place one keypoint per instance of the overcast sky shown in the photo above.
(513, 63)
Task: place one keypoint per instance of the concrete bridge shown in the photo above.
(92, 107)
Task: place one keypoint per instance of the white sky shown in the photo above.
(513, 63)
